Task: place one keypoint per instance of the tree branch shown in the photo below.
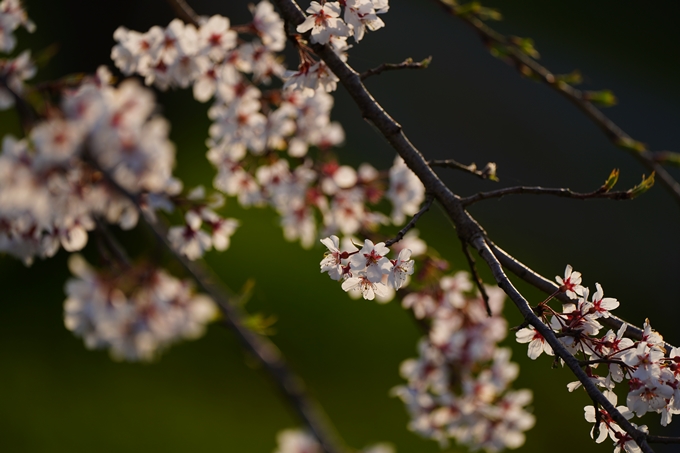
(112, 245)
(528, 66)
(564, 193)
(488, 172)
(663, 440)
(265, 351)
(475, 275)
(400, 235)
(406, 64)
(468, 229)
(27, 114)
(185, 12)
(560, 350)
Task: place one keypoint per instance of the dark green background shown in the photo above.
(206, 396)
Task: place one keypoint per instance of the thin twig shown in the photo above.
(528, 66)
(400, 235)
(565, 193)
(27, 114)
(112, 243)
(185, 12)
(406, 64)
(663, 440)
(475, 275)
(468, 229)
(488, 172)
(667, 157)
(598, 419)
(603, 360)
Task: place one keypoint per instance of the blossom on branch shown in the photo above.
(406, 191)
(136, 313)
(571, 283)
(12, 15)
(537, 343)
(324, 22)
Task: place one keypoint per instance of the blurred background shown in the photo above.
(206, 395)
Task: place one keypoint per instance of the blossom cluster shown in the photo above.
(458, 387)
(368, 270)
(134, 313)
(298, 441)
(191, 240)
(12, 16)
(327, 27)
(325, 23)
(651, 371)
(13, 71)
(252, 126)
(51, 193)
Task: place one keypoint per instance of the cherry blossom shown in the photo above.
(406, 191)
(571, 283)
(537, 343)
(215, 38)
(368, 288)
(603, 305)
(359, 15)
(401, 268)
(268, 25)
(606, 425)
(12, 15)
(190, 240)
(324, 22)
(332, 262)
(371, 260)
(15, 71)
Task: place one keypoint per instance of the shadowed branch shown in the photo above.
(406, 64)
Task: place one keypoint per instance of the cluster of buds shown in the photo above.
(458, 388)
(298, 441)
(651, 371)
(134, 313)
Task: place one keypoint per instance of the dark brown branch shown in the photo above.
(475, 275)
(663, 440)
(185, 12)
(565, 193)
(400, 235)
(528, 66)
(603, 360)
(598, 419)
(265, 351)
(488, 172)
(468, 229)
(406, 64)
(27, 114)
(112, 245)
